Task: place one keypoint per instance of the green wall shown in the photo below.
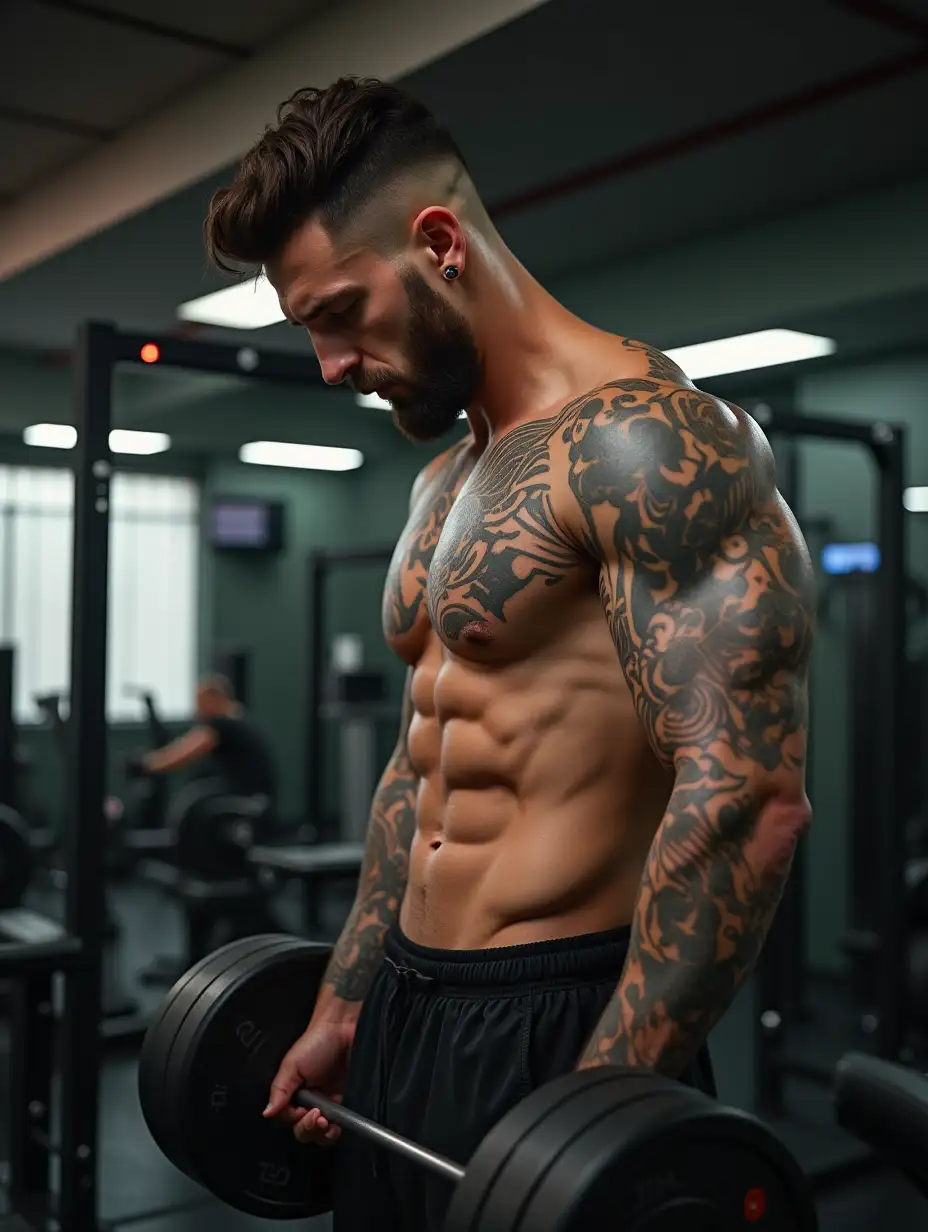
(261, 605)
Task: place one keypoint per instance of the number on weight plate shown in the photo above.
(248, 1033)
(656, 1189)
(274, 1174)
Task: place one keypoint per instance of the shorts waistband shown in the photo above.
(583, 959)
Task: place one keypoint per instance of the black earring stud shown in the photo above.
(451, 272)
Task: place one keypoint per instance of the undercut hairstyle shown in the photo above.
(327, 156)
(216, 683)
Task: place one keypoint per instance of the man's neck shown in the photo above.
(530, 346)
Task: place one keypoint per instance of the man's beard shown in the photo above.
(445, 371)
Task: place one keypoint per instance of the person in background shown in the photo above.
(223, 747)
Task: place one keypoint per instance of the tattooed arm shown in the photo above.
(706, 585)
(382, 883)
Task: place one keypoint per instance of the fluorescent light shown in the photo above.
(306, 457)
(373, 400)
(915, 500)
(247, 305)
(124, 441)
(744, 352)
(51, 436)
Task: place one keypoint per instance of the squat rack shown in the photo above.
(76, 957)
(779, 983)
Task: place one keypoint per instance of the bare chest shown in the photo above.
(504, 565)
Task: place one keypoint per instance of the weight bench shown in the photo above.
(21, 926)
(886, 1105)
(312, 866)
(241, 902)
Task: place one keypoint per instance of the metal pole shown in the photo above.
(888, 446)
(315, 666)
(85, 829)
(792, 934)
(8, 783)
(341, 1115)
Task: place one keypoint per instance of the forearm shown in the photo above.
(184, 751)
(381, 886)
(712, 883)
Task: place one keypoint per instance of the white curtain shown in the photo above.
(152, 634)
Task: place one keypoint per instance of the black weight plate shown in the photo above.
(165, 1021)
(197, 997)
(672, 1165)
(538, 1149)
(159, 1114)
(16, 863)
(219, 1072)
(492, 1159)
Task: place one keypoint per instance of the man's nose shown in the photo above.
(335, 362)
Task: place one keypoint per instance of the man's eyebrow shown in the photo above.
(315, 307)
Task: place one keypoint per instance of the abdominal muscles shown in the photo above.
(538, 797)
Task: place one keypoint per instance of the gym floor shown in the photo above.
(139, 1188)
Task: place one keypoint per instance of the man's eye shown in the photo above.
(343, 314)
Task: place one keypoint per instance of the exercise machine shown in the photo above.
(147, 810)
(780, 1004)
(120, 1011)
(24, 848)
(206, 871)
(886, 1105)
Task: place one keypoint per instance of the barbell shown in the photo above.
(608, 1147)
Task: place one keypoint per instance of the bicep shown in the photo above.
(704, 576)
(716, 657)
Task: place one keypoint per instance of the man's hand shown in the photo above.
(134, 767)
(707, 589)
(318, 1059)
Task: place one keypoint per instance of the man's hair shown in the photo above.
(217, 683)
(330, 151)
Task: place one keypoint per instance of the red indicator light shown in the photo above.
(755, 1205)
(149, 354)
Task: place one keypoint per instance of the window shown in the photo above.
(152, 635)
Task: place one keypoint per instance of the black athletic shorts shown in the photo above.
(447, 1042)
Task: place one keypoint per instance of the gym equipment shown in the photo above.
(886, 1105)
(884, 928)
(329, 698)
(207, 871)
(355, 703)
(215, 829)
(316, 866)
(16, 860)
(609, 1147)
(151, 796)
(119, 1009)
(14, 762)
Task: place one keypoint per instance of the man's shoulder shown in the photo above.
(443, 472)
(634, 358)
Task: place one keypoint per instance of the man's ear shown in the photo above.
(441, 236)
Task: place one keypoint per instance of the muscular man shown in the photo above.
(222, 746)
(581, 838)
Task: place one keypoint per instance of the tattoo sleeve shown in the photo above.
(384, 870)
(706, 585)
